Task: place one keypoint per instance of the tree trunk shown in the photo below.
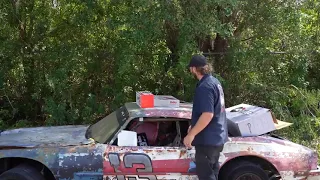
(220, 48)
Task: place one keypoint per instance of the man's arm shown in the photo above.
(207, 108)
(203, 121)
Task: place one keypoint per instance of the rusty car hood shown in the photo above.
(44, 136)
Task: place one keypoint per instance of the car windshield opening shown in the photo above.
(106, 128)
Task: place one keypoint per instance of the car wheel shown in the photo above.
(243, 170)
(22, 172)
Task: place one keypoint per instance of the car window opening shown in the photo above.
(159, 131)
(105, 129)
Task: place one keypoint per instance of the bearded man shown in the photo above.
(208, 131)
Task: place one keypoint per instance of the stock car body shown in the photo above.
(98, 151)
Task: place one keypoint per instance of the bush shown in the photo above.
(300, 107)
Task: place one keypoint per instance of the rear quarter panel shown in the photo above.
(291, 160)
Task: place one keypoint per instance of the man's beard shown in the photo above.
(194, 75)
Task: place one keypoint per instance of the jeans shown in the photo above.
(207, 162)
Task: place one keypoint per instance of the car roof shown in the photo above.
(183, 111)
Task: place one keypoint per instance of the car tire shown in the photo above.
(235, 171)
(22, 172)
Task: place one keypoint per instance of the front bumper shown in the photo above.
(314, 174)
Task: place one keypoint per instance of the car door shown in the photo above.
(146, 162)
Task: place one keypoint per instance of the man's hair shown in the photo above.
(207, 69)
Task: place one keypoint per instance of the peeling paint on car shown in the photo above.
(177, 160)
(44, 137)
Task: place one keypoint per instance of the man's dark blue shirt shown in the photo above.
(209, 97)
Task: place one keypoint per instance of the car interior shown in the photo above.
(167, 132)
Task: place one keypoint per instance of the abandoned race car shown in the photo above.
(144, 143)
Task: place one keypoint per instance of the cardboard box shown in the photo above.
(282, 124)
(145, 99)
(166, 101)
(247, 120)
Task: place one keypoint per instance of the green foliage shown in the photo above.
(301, 107)
(75, 61)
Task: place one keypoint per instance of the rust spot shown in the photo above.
(301, 173)
(250, 149)
(148, 151)
(49, 150)
(72, 150)
(92, 145)
(182, 153)
(172, 150)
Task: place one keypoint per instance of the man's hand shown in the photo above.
(188, 140)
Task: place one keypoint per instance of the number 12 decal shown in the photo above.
(129, 159)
